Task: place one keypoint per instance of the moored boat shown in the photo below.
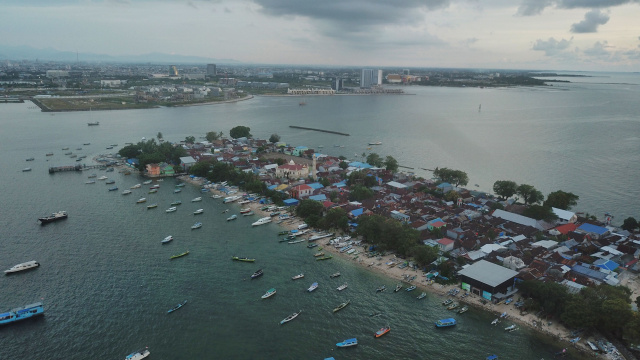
(22, 267)
(262, 221)
(177, 191)
(178, 202)
(196, 199)
(167, 239)
(30, 159)
(152, 206)
(452, 306)
(245, 259)
(381, 288)
(510, 328)
(26, 169)
(257, 274)
(197, 225)
(138, 355)
(269, 293)
(334, 275)
(325, 258)
(232, 217)
(463, 310)
(312, 287)
(245, 210)
(21, 313)
(398, 288)
(176, 307)
(299, 276)
(341, 306)
(342, 287)
(126, 192)
(59, 215)
(136, 186)
(198, 212)
(318, 254)
(171, 209)
(290, 317)
(445, 322)
(141, 200)
(113, 188)
(447, 302)
(422, 296)
(411, 288)
(249, 213)
(146, 182)
(179, 255)
(382, 331)
(153, 191)
(348, 342)
(103, 177)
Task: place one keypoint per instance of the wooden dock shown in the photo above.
(321, 130)
(55, 169)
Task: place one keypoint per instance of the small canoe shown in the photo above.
(341, 306)
(236, 258)
(290, 317)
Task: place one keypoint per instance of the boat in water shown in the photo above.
(152, 206)
(382, 331)
(176, 307)
(126, 192)
(196, 199)
(248, 213)
(463, 310)
(176, 203)
(398, 288)
(290, 317)
(21, 313)
(136, 186)
(232, 217)
(179, 255)
(167, 239)
(198, 212)
(141, 200)
(342, 287)
(257, 274)
(381, 288)
(299, 276)
(325, 258)
(376, 143)
(411, 288)
(262, 221)
(147, 182)
(341, 306)
(452, 306)
(422, 296)
(22, 267)
(495, 321)
(26, 169)
(197, 225)
(115, 188)
(94, 123)
(348, 343)
(334, 275)
(30, 159)
(312, 287)
(138, 355)
(59, 215)
(242, 259)
(171, 209)
(447, 302)
(445, 322)
(177, 191)
(269, 293)
(510, 328)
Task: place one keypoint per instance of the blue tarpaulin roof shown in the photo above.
(340, 184)
(316, 186)
(272, 187)
(290, 202)
(593, 228)
(588, 272)
(360, 165)
(321, 197)
(606, 264)
(357, 212)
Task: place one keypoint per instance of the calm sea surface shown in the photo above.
(107, 283)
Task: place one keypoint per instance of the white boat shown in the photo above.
(341, 287)
(138, 355)
(146, 182)
(199, 211)
(136, 186)
(216, 196)
(171, 209)
(231, 199)
(103, 177)
(269, 293)
(312, 287)
(262, 221)
(23, 266)
(90, 182)
(26, 169)
(299, 276)
(232, 217)
(126, 192)
(495, 321)
(141, 200)
(196, 199)
(290, 317)
(510, 328)
(167, 239)
(197, 225)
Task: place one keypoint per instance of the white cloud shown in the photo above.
(592, 20)
(551, 46)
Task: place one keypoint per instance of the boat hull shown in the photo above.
(22, 267)
(22, 313)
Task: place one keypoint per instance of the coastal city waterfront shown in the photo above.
(104, 271)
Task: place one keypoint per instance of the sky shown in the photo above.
(593, 35)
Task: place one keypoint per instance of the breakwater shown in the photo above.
(321, 130)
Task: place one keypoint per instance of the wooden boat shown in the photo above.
(176, 307)
(312, 287)
(463, 310)
(398, 288)
(411, 288)
(452, 306)
(269, 293)
(341, 306)
(445, 322)
(422, 296)
(348, 343)
(138, 355)
(197, 225)
(146, 182)
(296, 241)
(334, 275)
(381, 288)
(318, 254)
(342, 287)
(176, 203)
(510, 328)
(325, 258)
(245, 210)
(141, 200)
(382, 331)
(299, 276)
(179, 255)
(167, 239)
(171, 209)
(257, 274)
(312, 245)
(290, 317)
(242, 259)
(447, 302)
(198, 212)
(126, 192)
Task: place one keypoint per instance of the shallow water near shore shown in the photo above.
(107, 282)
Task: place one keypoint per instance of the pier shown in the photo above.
(55, 169)
(321, 130)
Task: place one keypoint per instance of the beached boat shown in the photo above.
(381, 288)
(262, 221)
(58, 215)
(138, 355)
(176, 307)
(342, 287)
(126, 192)
(318, 254)
(245, 210)
(334, 275)
(232, 217)
(21, 313)
(341, 306)
(245, 259)
(257, 274)
(463, 310)
(197, 225)
(290, 317)
(249, 213)
(171, 209)
(510, 328)
(312, 287)
(325, 258)
(296, 241)
(447, 302)
(398, 288)
(167, 239)
(382, 331)
(299, 276)
(141, 200)
(269, 293)
(411, 288)
(179, 255)
(445, 322)
(198, 212)
(22, 267)
(348, 343)
(152, 206)
(176, 203)
(422, 296)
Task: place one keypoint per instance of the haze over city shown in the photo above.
(596, 35)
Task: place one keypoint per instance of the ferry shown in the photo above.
(22, 267)
(21, 313)
(53, 217)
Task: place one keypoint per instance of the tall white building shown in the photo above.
(366, 80)
(380, 77)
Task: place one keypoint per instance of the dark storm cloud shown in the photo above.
(552, 46)
(535, 7)
(592, 20)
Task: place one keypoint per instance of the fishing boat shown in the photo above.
(115, 188)
(422, 296)
(196, 199)
(146, 182)
(463, 310)
(318, 254)
(290, 317)
(283, 232)
(269, 293)
(180, 185)
(136, 186)
(216, 196)
(381, 288)
(109, 182)
(30, 159)
(495, 321)
(334, 275)
(249, 213)
(398, 288)
(126, 192)
(257, 274)
(382, 331)
(197, 225)
(445, 322)
(22, 267)
(348, 343)
(245, 210)
(376, 143)
(411, 288)
(177, 191)
(296, 241)
(153, 191)
(95, 124)
(232, 217)
(58, 215)
(245, 259)
(103, 177)
(21, 313)
(341, 306)
(312, 287)
(299, 276)
(176, 307)
(26, 169)
(176, 203)
(262, 221)
(311, 246)
(452, 306)
(138, 355)
(171, 209)
(504, 315)
(325, 258)
(167, 239)
(152, 206)
(179, 255)
(447, 302)
(90, 182)
(198, 212)
(141, 200)
(342, 287)
(510, 328)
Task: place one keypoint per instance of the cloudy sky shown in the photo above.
(601, 35)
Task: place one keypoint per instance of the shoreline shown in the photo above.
(555, 331)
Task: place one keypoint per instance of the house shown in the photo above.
(518, 219)
(187, 162)
(564, 216)
(436, 224)
(445, 244)
(153, 169)
(301, 191)
(167, 169)
(594, 231)
(400, 216)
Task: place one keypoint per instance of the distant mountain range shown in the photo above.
(49, 54)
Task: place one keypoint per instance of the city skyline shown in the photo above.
(593, 35)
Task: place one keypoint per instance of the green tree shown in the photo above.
(424, 255)
(309, 207)
(280, 161)
(213, 136)
(343, 165)
(630, 224)
(274, 138)
(336, 218)
(190, 139)
(130, 151)
(529, 194)
(360, 192)
(240, 131)
(505, 188)
(540, 212)
(561, 200)
(451, 195)
(375, 160)
(159, 136)
(391, 164)
(201, 168)
(324, 182)
(454, 177)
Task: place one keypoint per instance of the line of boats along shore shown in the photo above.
(344, 244)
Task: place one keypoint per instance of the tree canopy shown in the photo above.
(274, 138)
(561, 200)
(190, 139)
(529, 194)
(149, 152)
(360, 192)
(630, 224)
(540, 212)
(454, 177)
(505, 188)
(388, 234)
(240, 131)
(391, 164)
(213, 136)
(375, 160)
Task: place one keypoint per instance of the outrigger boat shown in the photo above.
(176, 307)
(411, 288)
(342, 287)
(398, 288)
(422, 296)
(334, 275)
(290, 317)
(257, 274)
(341, 306)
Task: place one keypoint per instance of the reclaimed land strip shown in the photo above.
(314, 129)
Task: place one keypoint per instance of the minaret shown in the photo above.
(313, 174)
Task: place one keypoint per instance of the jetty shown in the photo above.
(321, 130)
(55, 169)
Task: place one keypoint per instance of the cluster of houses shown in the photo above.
(178, 93)
(571, 250)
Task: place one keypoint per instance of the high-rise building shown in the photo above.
(366, 80)
(173, 70)
(380, 77)
(337, 84)
(405, 71)
(211, 69)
